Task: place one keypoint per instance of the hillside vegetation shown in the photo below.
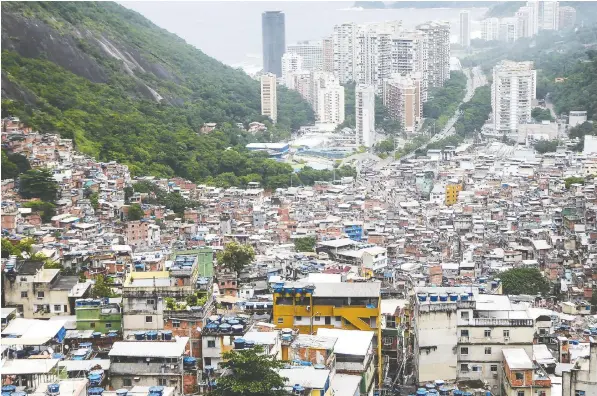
(127, 90)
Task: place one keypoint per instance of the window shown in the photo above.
(507, 333)
(476, 368)
(23, 279)
(464, 314)
(328, 320)
(211, 343)
(488, 350)
(579, 392)
(23, 294)
(541, 393)
(176, 323)
(41, 294)
(280, 320)
(149, 319)
(150, 302)
(337, 318)
(222, 283)
(487, 333)
(207, 361)
(57, 308)
(108, 325)
(520, 393)
(162, 381)
(463, 333)
(464, 351)
(173, 382)
(298, 318)
(127, 382)
(464, 368)
(92, 325)
(317, 318)
(519, 376)
(494, 368)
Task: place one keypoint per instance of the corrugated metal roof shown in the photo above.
(149, 348)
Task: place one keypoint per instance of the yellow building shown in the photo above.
(452, 190)
(307, 307)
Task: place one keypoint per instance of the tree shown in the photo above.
(253, 373)
(306, 244)
(546, 146)
(46, 210)
(236, 256)
(135, 212)
(102, 287)
(524, 281)
(13, 164)
(23, 246)
(94, 200)
(38, 184)
(541, 114)
(128, 193)
(573, 180)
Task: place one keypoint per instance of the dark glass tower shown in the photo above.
(274, 41)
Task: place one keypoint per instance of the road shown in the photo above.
(474, 79)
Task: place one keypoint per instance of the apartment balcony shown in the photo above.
(489, 322)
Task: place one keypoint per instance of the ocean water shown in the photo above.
(230, 31)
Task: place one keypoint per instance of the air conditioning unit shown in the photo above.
(506, 339)
(495, 375)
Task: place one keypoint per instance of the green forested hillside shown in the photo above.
(128, 90)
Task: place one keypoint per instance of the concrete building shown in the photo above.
(327, 50)
(464, 37)
(438, 51)
(567, 18)
(490, 28)
(581, 379)
(291, 63)
(373, 57)
(524, 22)
(549, 15)
(459, 334)
(344, 43)
(534, 24)
(269, 99)
(311, 53)
(41, 293)
(576, 118)
(273, 30)
(409, 55)
(522, 376)
(327, 98)
(512, 94)
(402, 98)
(508, 30)
(98, 315)
(365, 115)
(150, 363)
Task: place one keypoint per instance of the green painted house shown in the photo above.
(98, 315)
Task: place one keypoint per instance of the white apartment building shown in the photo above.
(373, 57)
(409, 55)
(490, 29)
(508, 30)
(269, 100)
(524, 22)
(301, 83)
(465, 29)
(311, 53)
(459, 334)
(344, 43)
(512, 94)
(438, 52)
(549, 15)
(365, 115)
(567, 17)
(327, 49)
(534, 15)
(328, 98)
(402, 98)
(291, 63)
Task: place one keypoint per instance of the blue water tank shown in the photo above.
(121, 392)
(96, 334)
(95, 391)
(239, 343)
(152, 335)
(422, 297)
(464, 297)
(139, 335)
(443, 297)
(8, 388)
(433, 297)
(167, 334)
(53, 389)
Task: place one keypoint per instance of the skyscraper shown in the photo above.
(567, 17)
(344, 41)
(512, 93)
(465, 29)
(274, 41)
(490, 28)
(365, 115)
(438, 50)
(269, 100)
(328, 54)
(549, 15)
(328, 98)
(402, 98)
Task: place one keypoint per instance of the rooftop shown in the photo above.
(149, 349)
(517, 359)
(349, 342)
